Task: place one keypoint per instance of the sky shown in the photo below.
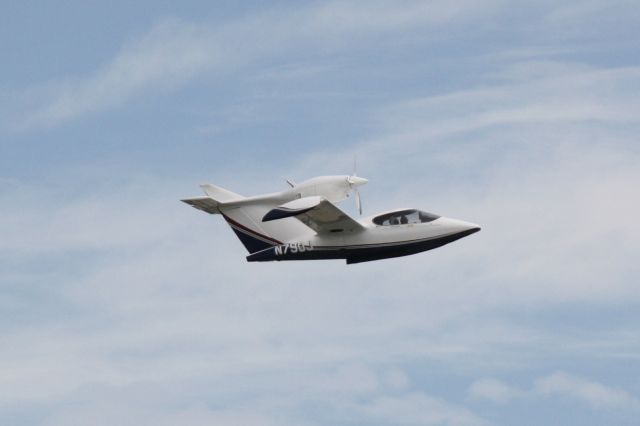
(121, 305)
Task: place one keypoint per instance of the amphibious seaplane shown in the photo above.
(303, 223)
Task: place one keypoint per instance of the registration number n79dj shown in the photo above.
(293, 248)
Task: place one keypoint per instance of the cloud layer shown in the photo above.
(174, 52)
(557, 385)
(124, 306)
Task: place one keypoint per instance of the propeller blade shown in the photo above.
(358, 201)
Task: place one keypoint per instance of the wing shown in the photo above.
(317, 213)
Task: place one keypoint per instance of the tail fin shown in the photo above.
(238, 216)
(253, 240)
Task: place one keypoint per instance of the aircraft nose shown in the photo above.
(473, 228)
(467, 228)
(462, 227)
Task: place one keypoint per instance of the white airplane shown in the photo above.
(303, 223)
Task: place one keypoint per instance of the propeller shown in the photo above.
(354, 182)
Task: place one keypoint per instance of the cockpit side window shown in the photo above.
(427, 217)
(404, 217)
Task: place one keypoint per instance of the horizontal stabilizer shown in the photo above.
(220, 194)
(214, 198)
(206, 204)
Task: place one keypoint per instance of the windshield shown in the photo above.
(403, 217)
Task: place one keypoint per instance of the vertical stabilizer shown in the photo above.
(219, 194)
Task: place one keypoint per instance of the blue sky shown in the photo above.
(121, 305)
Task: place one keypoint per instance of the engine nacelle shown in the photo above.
(333, 188)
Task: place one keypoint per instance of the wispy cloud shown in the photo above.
(557, 385)
(593, 393)
(158, 306)
(544, 141)
(418, 409)
(168, 55)
(176, 51)
(492, 390)
(525, 93)
(127, 307)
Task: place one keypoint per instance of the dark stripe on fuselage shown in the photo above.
(252, 240)
(252, 244)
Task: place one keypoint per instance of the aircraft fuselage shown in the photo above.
(373, 243)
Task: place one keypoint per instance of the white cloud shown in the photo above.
(528, 93)
(174, 52)
(553, 157)
(37, 221)
(574, 16)
(396, 379)
(125, 406)
(542, 153)
(557, 385)
(171, 298)
(287, 396)
(418, 409)
(169, 54)
(339, 18)
(593, 393)
(492, 390)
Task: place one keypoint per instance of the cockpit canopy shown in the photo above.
(402, 217)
